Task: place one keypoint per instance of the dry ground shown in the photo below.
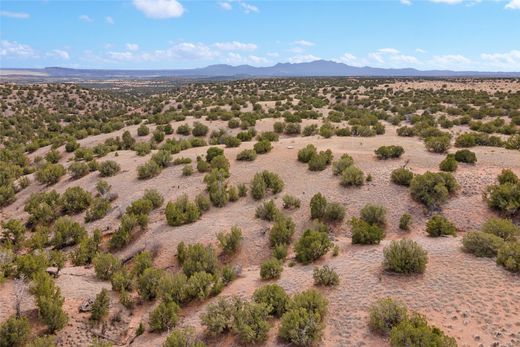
(469, 298)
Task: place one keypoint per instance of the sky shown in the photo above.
(481, 35)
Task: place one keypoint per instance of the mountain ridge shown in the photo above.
(317, 68)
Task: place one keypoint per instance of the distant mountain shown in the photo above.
(314, 68)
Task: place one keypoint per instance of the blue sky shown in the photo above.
(170, 34)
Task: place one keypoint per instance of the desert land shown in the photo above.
(134, 211)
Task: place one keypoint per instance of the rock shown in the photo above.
(86, 305)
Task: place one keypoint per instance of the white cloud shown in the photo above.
(225, 5)
(303, 58)
(378, 57)
(13, 49)
(235, 46)
(449, 2)
(132, 46)
(109, 20)
(351, 59)
(59, 53)
(406, 2)
(303, 43)
(450, 59)
(420, 50)
(508, 60)
(513, 5)
(235, 58)
(85, 18)
(273, 54)
(184, 51)
(248, 8)
(160, 9)
(17, 15)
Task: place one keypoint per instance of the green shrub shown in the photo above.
(274, 297)
(280, 251)
(320, 161)
(325, 276)
(7, 195)
(181, 211)
(100, 306)
(387, 152)
(508, 176)
(438, 225)
(105, 265)
(481, 244)
(213, 152)
(184, 129)
(271, 269)
(197, 258)
(310, 130)
(162, 158)
(415, 331)
(247, 155)
(13, 233)
(404, 257)
(230, 242)
(218, 317)
(281, 231)
(402, 176)
(67, 232)
(98, 209)
(365, 233)
(334, 212)
(290, 202)
(14, 332)
(264, 181)
(318, 206)
(187, 170)
(75, 200)
(301, 327)
(339, 166)
(50, 174)
(262, 146)
(121, 281)
(250, 322)
(143, 130)
(352, 176)
(182, 338)
(78, 170)
(465, 156)
(503, 228)
(432, 189)
(200, 285)
(437, 144)
(504, 198)
(385, 314)
(174, 287)
(148, 170)
(267, 211)
(405, 221)
(87, 249)
(509, 256)
(305, 154)
(311, 246)
(142, 148)
(199, 129)
(108, 168)
(49, 302)
(311, 300)
(202, 202)
(374, 214)
(449, 164)
(164, 317)
(148, 283)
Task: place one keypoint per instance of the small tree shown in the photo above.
(405, 257)
(164, 317)
(14, 332)
(438, 225)
(100, 306)
(385, 314)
